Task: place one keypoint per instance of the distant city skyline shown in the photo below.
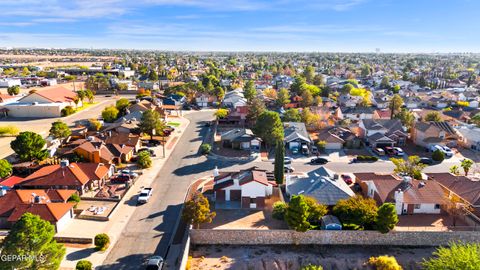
(425, 26)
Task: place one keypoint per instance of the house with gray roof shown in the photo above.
(241, 139)
(469, 137)
(296, 135)
(382, 132)
(324, 185)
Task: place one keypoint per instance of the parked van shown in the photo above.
(305, 149)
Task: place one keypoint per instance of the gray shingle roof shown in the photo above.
(295, 130)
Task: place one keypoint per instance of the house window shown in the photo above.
(417, 206)
(371, 193)
(437, 206)
(252, 200)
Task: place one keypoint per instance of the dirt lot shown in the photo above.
(294, 257)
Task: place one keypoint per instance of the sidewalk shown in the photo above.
(121, 214)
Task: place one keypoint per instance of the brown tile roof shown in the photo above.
(462, 186)
(52, 212)
(75, 174)
(414, 192)
(11, 181)
(374, 176)
(123, 138)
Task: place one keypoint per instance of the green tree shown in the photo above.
(297, 85)
(269, 127)
(143, 160)
(219, 92)
(60, 129)
(347, 88)
(298, 213)
(466, 165)
(249, 91)
(292, 115)
(81, 95)
(84, 265)
(68, 110)
(384, 262)
(411, 166)
(387, 218)
(396, 103)
(455, 170)
(221, 113)
(476, 119)
(95, 124)
(152, 123)
(283, 97)
(318, 80)
(197, 210)
(122, 105)
(13, 90)
(356, 210)
(385, 83)
(255, 108)
(32, 238)
(90, 96)
(396, 89)
(366, 70)
(101, 241)
(5, 168)
(205, 148)
(75, 198)
(316, 210)
(29, 146)
(433, 116)
(406, 117)
(307, 99)
(110, 114)
(279, 210)
(153, 76)
(309, 74)
(438, 155)
(279, 162)
(456, 256)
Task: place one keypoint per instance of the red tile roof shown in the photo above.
(52, 212)
(57, 94)
(11, 181)
(462, 186)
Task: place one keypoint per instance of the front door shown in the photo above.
(410, 208)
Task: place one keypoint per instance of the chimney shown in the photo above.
(216, 172)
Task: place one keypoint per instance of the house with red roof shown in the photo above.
(44, 103)
(243, 189)
(51, 205)
(77, 176)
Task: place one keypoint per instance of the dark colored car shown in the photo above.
(122, 178)
(425, 160)
(319, 160)
(390, 151)
(347, 179)
(152, 143)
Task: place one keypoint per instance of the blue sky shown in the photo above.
(244, 25)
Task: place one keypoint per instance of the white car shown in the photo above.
(144, 195)
(129, 173)
(445, 150)
(399, 151)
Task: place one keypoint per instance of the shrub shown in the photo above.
(438, 155)
(356, 210)
(321, 145)
(312, 267)
(84, 265)
(367, 158)
(69, 110)
(74, 198)
(144, 160)
(386, 218)
(205, 148)
(279, 209)
(9, 130)
(5, 168)
(384, 263)
(101, 241)
(457, 256)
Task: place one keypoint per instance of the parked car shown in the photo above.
(425, 160)
(347, 178)
(444, 149)
(390, 151)
(129, 173)
(144, 195)
(122, 178)
(287, 160)
(151, 143)
(399, 151)
(379, 151)
(150, 151)
(295, 150)
(319, 160)
(305, 149)
(314, 150)
(154, 263)
(288, 168)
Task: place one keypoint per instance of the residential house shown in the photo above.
(382, 132)
(51, 205)
(43, 103)
(459, 188)
(409, 196)
(296, 136)
(77, 176)
(234, 99)
(357, 113)
(101, 152)
(241, 139)
(324, 185)
(430, 133)
(131, 140)
(330, 135)
(205, 100)
(244, 189)
(469, 137)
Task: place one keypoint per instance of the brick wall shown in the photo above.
(288, 237)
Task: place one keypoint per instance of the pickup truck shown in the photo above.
(144, 195)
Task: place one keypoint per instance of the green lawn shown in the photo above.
(86, 105)
(173, 124)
